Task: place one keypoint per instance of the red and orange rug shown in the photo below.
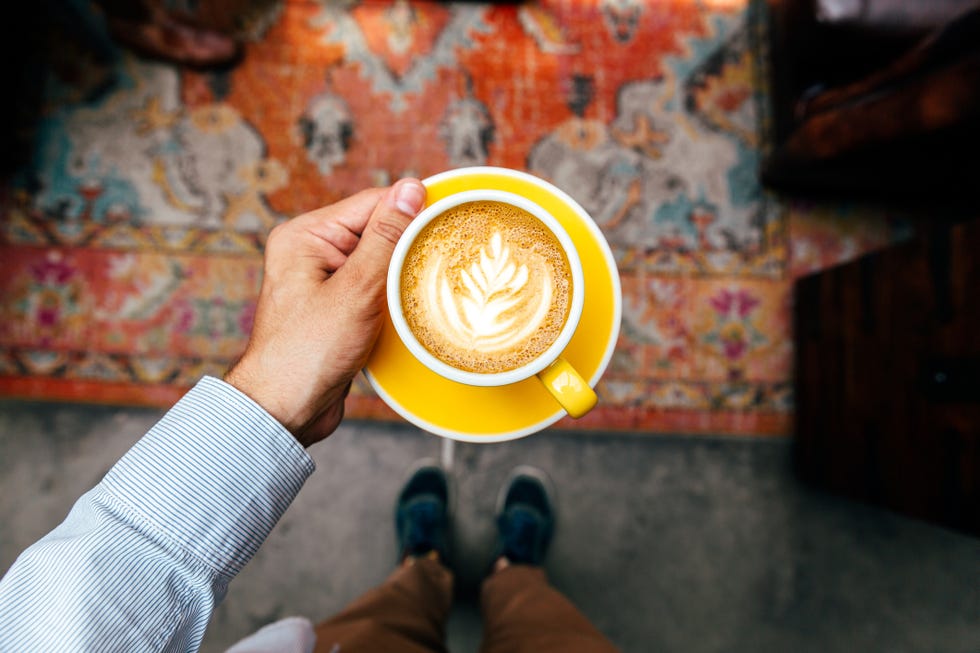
(131, 266)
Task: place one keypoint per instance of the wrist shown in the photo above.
(266, 395)
(308, 414)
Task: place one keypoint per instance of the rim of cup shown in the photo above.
(551, 354)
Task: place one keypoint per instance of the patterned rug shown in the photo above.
(132, 246)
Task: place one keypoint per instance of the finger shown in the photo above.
(351, 212)
(369, 260)
(306, 253)
(325, 236)
(331, 244)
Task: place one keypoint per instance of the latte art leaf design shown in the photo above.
(485, 288)
(494, 285)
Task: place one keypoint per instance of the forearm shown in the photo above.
(143, 558)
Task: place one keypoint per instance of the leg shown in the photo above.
(406, 614)
(521, 612)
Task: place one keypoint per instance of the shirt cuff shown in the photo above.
(214, 475)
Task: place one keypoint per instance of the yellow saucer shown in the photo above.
(477, 414)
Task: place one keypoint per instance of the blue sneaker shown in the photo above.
(422, 513)
(525, 517)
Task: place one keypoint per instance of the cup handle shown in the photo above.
(568, 387)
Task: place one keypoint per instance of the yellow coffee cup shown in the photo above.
(558, 376)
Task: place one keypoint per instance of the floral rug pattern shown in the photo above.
(132, 247)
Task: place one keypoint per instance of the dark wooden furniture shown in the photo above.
(888, 377)
(875, 98)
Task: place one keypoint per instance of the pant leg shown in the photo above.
(405, 614)
(523, 614)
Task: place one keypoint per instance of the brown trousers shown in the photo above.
(407, 614)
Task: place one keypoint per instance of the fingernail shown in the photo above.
(409, 197)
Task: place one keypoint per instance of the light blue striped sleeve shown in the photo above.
(144, 557)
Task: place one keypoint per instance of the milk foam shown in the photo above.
(486, 287)
(481, 317)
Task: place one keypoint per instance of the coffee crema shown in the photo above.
(486, 287)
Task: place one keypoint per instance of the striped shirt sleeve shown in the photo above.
(143, 558)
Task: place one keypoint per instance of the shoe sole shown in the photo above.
(537, 474)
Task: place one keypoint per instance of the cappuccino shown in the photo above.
(486, 287)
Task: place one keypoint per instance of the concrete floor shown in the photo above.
(666, 543)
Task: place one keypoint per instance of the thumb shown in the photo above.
(387, 223)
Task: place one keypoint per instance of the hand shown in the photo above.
(321, 306)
